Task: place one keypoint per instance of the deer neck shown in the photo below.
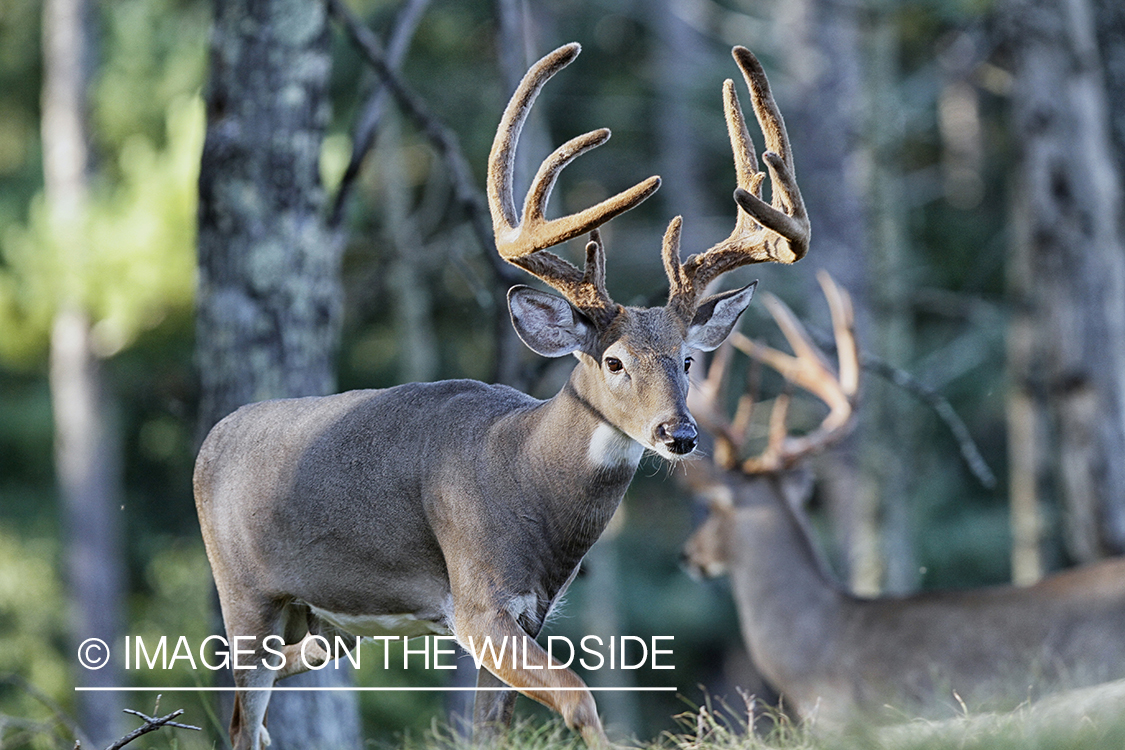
(789, 609)
(573, 462)
(595, 446)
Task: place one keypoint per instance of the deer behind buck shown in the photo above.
(464, 508)
(834, 656)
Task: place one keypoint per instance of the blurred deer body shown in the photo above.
(835, 657)
(465, 508)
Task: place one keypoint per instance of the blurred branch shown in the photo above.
(927, 395)
(151, 724)
(368, 121)
(444, 140)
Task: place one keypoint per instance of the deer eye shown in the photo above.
(687, 364)
(613, 364)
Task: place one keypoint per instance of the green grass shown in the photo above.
(1082, 720)
(1090, 719)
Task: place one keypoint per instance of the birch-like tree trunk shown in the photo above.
(1068, 270)
(87, 461)
(270, 294)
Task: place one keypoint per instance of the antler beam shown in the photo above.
(776, 231)
(806, 368)
(523, 239)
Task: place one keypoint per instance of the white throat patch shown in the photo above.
(610, 448)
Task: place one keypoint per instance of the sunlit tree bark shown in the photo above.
(270, 294)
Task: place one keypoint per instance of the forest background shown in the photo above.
(962, 162)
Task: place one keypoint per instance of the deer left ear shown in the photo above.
(716, 316)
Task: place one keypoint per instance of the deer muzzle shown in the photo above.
(679, 436)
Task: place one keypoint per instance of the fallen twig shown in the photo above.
(151, 724)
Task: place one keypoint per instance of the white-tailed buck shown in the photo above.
(465, 508)
(834, 656)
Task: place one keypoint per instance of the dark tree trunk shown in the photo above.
(679, 61)
(1068, 280)
(270, 295)
(1109, 23)
(87, 463)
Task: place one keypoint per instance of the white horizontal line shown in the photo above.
(366, 689)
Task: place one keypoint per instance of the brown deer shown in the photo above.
(464, 508)
(834, 656)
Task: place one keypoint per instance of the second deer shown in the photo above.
(835, 657)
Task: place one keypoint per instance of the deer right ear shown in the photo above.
(547, 324)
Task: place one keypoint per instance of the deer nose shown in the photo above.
(678, 436)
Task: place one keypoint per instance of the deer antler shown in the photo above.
(763, 231)
(808, 369)
(522, 241)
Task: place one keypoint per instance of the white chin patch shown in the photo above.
(610, 447)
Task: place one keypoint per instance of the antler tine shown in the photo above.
(808, 370)
(522, 240)
(843, 328)
(777, 231)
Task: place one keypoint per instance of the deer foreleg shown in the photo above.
(248, 719)
(530, 671)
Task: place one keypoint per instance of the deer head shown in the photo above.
(633, 362)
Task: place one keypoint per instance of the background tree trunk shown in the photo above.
(1109, 24)
(888, 438)
(1069, 261)
(823, 106)
(270, 295)
(87, 461)
(517, 32)
(678, 60)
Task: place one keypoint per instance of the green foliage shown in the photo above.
(32, 624)
(176, 594)
(130, 259)
(20, 161)
(156, 56)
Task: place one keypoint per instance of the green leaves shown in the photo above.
(129, 259)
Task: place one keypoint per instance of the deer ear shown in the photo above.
(547, 324)
(716, 316)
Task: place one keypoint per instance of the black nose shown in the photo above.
(679, 436)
